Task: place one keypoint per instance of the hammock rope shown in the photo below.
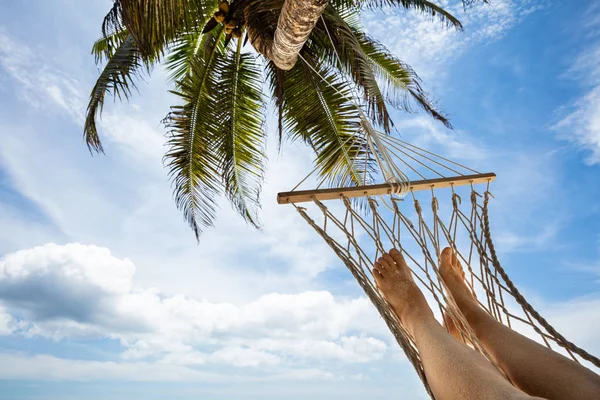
(560, 339)
(358, 236)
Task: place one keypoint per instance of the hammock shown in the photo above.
(360, 222)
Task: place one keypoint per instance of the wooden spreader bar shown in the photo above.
(302, 196)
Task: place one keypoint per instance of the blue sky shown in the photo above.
(104, 293)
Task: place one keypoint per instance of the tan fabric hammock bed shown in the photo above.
(360, 222)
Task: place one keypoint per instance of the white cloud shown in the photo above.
(578, 320)
(351, 349)
(49, 368)
(243, 357)
(6, 322)
(427, 45)
(40, 85)
(221, 314)
(424, 132)
(75, 290)
(75, 262)
(581, 125)
(45, 367)
(124, 201)
(136, 136)
(509, 241)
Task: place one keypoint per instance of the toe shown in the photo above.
(383, 262)
(377, 275)
(456, 265)
(378, 267)
(455, 262)
(388, 259)
(447, 256)
(446, 265)
(397, 256)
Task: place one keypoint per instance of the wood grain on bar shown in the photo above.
(302, 196)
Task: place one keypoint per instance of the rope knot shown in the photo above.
(435, 205)
(418, 207)
(320, 205)
(456, 200)
(373, 204)
(346, 202)
(474, 196)
(395, 204)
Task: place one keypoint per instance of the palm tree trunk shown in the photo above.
(296, 21)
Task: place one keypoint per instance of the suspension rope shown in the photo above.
(561, 340)
(358, 240)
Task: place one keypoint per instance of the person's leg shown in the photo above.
(533, 368)
(454, 371)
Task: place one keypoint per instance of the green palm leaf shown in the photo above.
(332, 38)
(117, 78)
(155, 23)
(423, 6)
(104, 48)
(192, 159)
(318, 109)
(216, 138)
(185, 50)
(401, 83)
(241, 119)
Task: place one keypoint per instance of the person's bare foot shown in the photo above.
(394, 280)
(454, 276)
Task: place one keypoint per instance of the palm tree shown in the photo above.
(314, 55)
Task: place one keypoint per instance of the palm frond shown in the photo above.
(155, 23)
(113, 22)
(241, 117)
(318, 109)
(333, 38)
(401, 81)
(350, 15)
(260, 18)
(193, 162)
(470, 3)
(116, 78)
(276, 83)
(423, 6)
(104, 48)
(186, 48)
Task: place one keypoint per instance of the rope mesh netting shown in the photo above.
(364, 222)
(420, 226)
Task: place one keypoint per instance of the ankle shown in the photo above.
(475, 316)
(414, 317)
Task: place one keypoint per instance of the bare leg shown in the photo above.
(454, 371)
(533, 368)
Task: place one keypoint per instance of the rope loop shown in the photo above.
(397, 199)
(418, 208)
(474, 196)
(373, 204)
(395, 205)
(320, 205)
(456, 201)
(347, 202)
(435, 205)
